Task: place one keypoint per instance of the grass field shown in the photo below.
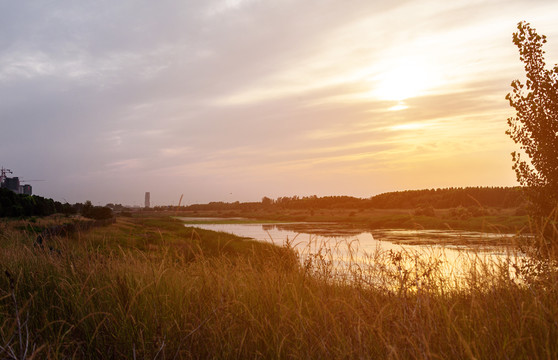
(150, 288)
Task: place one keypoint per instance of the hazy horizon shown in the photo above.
(233, 100)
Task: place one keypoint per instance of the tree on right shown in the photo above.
(535, 125)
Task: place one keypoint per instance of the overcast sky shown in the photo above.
(226, 100)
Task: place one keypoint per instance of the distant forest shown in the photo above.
(19, 205)
(16, 205)
(498, 197)
(494, 197)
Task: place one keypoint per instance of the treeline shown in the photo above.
(314, 202)
(496, 197)
(500, 197)
(16, 205)
(215, 206)
(20, 205)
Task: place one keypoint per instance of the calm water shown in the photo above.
(453, 254)
(454, 246)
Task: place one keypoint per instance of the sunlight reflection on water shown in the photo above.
(344, 247)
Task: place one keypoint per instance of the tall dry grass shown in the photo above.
(147, 290)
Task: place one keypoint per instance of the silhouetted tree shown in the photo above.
(535, 126)
(267, 201)
(96, 212)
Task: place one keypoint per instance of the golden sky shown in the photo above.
(240, 99)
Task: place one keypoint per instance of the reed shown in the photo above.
(152, 289)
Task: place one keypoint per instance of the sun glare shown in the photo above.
(400, 106)
(403, 79)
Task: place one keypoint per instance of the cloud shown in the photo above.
(223, 6)
(106, 99)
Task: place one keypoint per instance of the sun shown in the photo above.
(404, 78)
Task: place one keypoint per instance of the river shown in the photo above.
(344, 243)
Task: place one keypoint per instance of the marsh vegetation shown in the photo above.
(147, 287)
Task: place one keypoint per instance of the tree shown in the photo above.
(96, 212)
(535, 126)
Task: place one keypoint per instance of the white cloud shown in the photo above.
(242, 89)
(223, 6)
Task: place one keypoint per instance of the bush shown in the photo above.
(425, 211)
(460, 213)
(96, 212)
(477, 211)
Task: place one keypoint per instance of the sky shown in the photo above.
(234, 100)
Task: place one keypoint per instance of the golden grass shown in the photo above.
(151, 289)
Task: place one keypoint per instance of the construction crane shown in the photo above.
(3, 172)
(30, 180)
(178, 207)
(13, 184)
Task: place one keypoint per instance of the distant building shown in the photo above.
(11, 184)
(14, 185)
(147, 199)
(26, 189)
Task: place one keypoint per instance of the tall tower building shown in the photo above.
(147, 199)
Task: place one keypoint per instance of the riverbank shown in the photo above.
(148, 287)
(490, 220)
